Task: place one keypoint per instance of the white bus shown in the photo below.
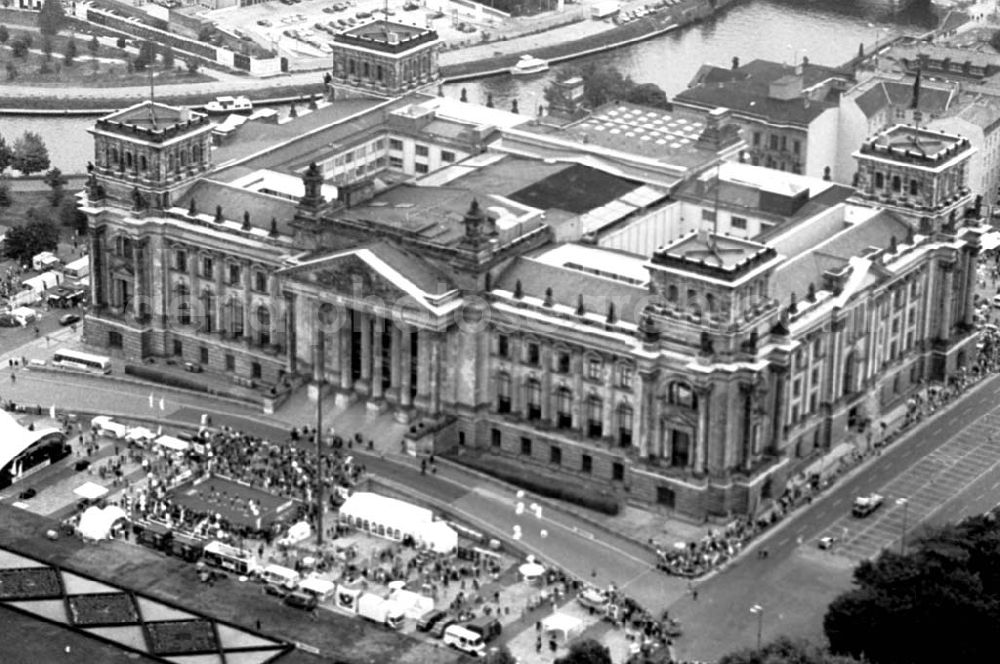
(72, 359)
(239, 561)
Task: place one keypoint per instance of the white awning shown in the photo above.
(90, 491)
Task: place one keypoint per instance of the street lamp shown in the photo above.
(758, 610)
(902, 539)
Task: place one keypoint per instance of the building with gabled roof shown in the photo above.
(633, 312)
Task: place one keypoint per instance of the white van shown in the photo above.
(105, 426)
(465, 640)
(281, 576)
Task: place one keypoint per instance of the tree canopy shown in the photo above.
(784, 650)
(51, 18)
(606, 83)
(30, 154)
(586, 651)
(5, 154)
(25, 240)
(948, 586)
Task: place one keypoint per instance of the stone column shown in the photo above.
(405, 360)
(970, 288)
(344, 350)
(702, 439)
(364, 320)
(422, 400)
(780, 404)
(396, 362)
(219, 265)
(644, 417)
(608, 402)
(319, 349)
(947, 303)
(291, 335)
(136, 279)
(434, 382)
(376, 379)
(99, 293)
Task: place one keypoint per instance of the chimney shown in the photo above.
(392, 37)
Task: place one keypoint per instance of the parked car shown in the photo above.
(193, 367)
(27, 494)
(865, 505)
(301, 600)
(437, 631)
(427, 621)
(826, 542)
(276, 589)
(81, 465)
(69, 319)
(264, 22)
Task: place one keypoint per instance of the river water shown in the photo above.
(827, 31)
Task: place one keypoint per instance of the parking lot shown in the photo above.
(918, 493)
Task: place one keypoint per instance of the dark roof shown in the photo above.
(375, 35)
(750, 95)
(713, 74)
(568, 285)
(899, 94)
(207, 194)
(576, 189)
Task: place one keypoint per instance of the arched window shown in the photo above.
(184, 157)
(113, 156)
(897, 184)
(171, 162)
(533, 393)
(126, 247)
(624, 415)
(503, 392)
(564, 408)
(914, 187)
(236, 316)
(879, 180)
(595, 416)
(264, 325)
(710, 303)
(120, 245)
(692, 301)
(143, 164)
(128, 160)
(672, 293)
(681, 394)
(183, 313)
(196, 154)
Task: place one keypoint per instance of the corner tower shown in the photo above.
(384, 58)
(148, 154)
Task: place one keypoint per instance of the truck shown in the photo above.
(381, 611)
(865, 505)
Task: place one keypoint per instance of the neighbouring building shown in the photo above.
(451, 264)
(788, 115)
(385, 58)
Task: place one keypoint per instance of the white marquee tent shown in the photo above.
(96, 523)
(90, 491)
(562, 627)
(396, 519)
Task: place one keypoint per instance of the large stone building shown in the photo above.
(457, 265)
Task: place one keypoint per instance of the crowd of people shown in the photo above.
(718, 546)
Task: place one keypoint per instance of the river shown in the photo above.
(827, 31)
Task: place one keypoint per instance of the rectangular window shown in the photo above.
(395, 144)
(665, 496)
(555, 455)
(234, 275)
(206, 267)
(203, 355)
(181, 261)
(230, 362)
(495, 438)
(420, 168)
(795, 147)
(784, 143)
(260, 281)
(395, 162)
(255, 370)
(594, 370)
(773, 141)
(739, 223)
(756, 138)
(796, 387)
(587, 464)
(526, 446)
(533, 354)
(626, 377)
(178, 347)
(447, 156)
(422, 150)
(618, 471)
(812, 402)
(503, 345)
(562, 363)
(817, 348)
(707, 215)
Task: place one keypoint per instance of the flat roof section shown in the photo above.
(386, 36)
(576, 189)
(716, 256)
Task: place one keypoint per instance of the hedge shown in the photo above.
(547, 487)
(164, 378)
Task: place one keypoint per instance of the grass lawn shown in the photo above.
(22, 201)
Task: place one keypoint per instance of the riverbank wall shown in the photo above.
(54, 102)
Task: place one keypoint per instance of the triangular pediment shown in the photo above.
(348, 274)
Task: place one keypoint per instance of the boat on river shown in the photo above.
(528, 65)
(222, 105)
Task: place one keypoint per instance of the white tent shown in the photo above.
(439, 537)
(531, 571)
(90, 491)
(296, 533)
(172, 443)
(321, 588)
(16, 439)
(562, 627)
(386, 517)
(96, 523)
(43, 282)
(413, 605)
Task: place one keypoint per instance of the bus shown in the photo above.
(74, 359)
(239, 561)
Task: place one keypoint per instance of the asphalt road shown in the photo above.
(945, 469)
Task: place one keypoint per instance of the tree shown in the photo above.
(949, 583)
(5, 154)
(647, 94)
(168, 57)
(5, 200)
(30, 154)
(585, 651)
(51, 18)
(19, 47)
(70, 53)
(26, 240)
(500, 655)
(4, 34)
(786, 651)
(605, 83)
(56, 180)
(71, 217)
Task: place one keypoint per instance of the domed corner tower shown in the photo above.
(147, 155)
